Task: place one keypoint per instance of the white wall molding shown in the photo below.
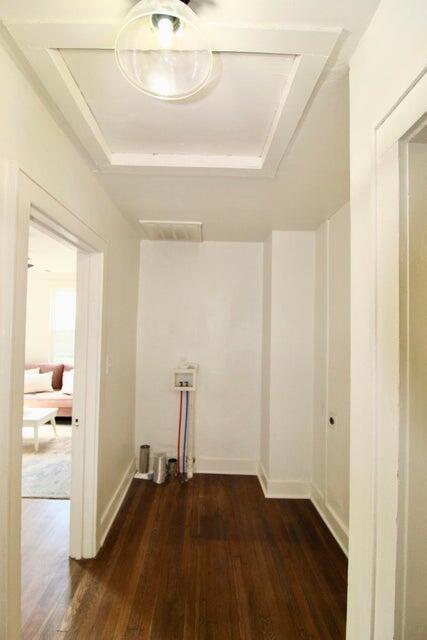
(332, 381)
(262, 477)
(41, 43)
(97, 35)
(332, 521)
(287, 489)
(10, 452)
(115, 503)
(231, 466)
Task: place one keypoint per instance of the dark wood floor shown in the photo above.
(209, 560)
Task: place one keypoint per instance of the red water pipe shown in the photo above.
(179, 431)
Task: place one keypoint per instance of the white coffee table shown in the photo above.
(35, 418)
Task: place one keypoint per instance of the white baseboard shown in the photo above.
(115, 503)
(332, 521)
(262, 478)
(229, 466)
(288, 489)
(283, 488)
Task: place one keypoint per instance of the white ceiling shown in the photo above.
(262, 149)
(51, 255)
(312, 182)
(234, 119)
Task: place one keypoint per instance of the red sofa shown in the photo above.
(55, 398)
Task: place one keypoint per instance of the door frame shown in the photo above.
(392, 136)
(23, 201)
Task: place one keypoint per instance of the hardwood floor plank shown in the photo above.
(211, 559)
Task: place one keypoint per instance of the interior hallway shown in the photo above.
(212, 559)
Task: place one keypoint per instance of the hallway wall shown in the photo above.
(331, 443)
(224, 305)
(33, 141)
(288, 327)
(202, 302)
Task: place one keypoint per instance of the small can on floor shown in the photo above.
(172, 464)
(160, 468)
(144, 458)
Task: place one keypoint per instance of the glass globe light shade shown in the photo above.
(162, 49)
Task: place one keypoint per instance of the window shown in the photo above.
(62, 324)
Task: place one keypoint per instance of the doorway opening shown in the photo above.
(47, 421)
(28, 204)
(49, 367)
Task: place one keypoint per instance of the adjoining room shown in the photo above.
(49, 367)
(47, 415)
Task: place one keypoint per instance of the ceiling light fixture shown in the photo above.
(162, 49)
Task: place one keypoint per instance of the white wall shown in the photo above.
(332, 373)
(390, 56)
(288, 364)
(32, 140)
(202, 302)
(320, 404)
(338, 437)
(266, 360)
(40, 288)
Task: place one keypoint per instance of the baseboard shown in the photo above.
(334, 524)
(262, 479)
(229, 466)
(115, 503)
(288, 489)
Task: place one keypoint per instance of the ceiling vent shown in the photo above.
(172, 231)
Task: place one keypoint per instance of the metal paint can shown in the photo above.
(172, 463)
(144, 458)
(160, 468)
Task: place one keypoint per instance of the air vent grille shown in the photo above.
(172, 231)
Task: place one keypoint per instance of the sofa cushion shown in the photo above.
(57, 370)
(32, 372)
(38, 382)
(68, 382)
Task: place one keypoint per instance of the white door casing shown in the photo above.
(23, 201)
(391, 138)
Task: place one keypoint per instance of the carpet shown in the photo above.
(47, 472)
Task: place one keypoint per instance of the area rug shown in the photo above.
(47, 472)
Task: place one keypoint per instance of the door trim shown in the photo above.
(23, 201)
(391, 139)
